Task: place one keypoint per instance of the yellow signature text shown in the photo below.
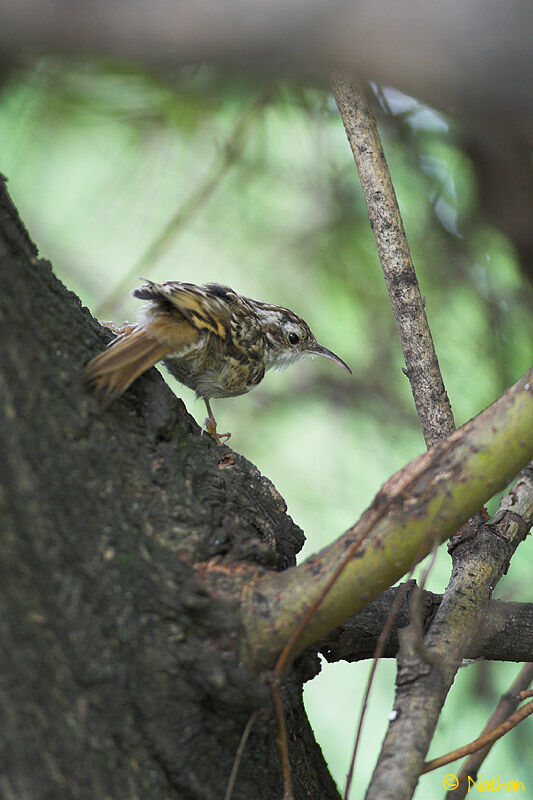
(494, 785)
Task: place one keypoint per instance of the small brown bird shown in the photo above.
(212, 339)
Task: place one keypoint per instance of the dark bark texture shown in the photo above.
(505, 633)
(118, 671)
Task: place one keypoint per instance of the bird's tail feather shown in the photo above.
(110, 373)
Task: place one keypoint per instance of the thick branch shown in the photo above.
(504, 634)
(433, 495)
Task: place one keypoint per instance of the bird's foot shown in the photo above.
(211, 428)
(120, 331)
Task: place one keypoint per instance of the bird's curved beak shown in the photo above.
(318, 350)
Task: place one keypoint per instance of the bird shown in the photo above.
(213, 340)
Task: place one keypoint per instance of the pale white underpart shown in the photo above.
(280, 360)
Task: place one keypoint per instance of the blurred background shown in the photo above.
(120, 173)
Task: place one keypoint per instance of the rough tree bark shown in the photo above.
(117, 675)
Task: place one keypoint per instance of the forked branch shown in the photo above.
(425, 502)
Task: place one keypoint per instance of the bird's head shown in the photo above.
(289, 338)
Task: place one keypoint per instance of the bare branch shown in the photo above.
(486, 740)
(422, 687)
(505, 634)
(433, 493)
(422, 366)
(508, 703)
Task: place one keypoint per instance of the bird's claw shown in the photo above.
(211, 428)
(120, 331)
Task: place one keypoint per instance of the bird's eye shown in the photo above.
(293, 338)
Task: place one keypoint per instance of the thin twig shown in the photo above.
(483, 741)
(238, 755)
(398, 600)
(380, 646)
(228, 155)
(508, 703)
(291, 644)
(365, 526)
(417, 620)
(295, 636)
(283, 746)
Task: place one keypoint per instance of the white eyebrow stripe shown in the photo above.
(292, 326)
(268, 317)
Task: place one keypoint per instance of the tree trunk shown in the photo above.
(118, 672)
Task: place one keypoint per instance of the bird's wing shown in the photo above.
(205, 308)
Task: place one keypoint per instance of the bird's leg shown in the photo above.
(211, 425)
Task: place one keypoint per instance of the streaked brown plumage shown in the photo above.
(211, 339)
